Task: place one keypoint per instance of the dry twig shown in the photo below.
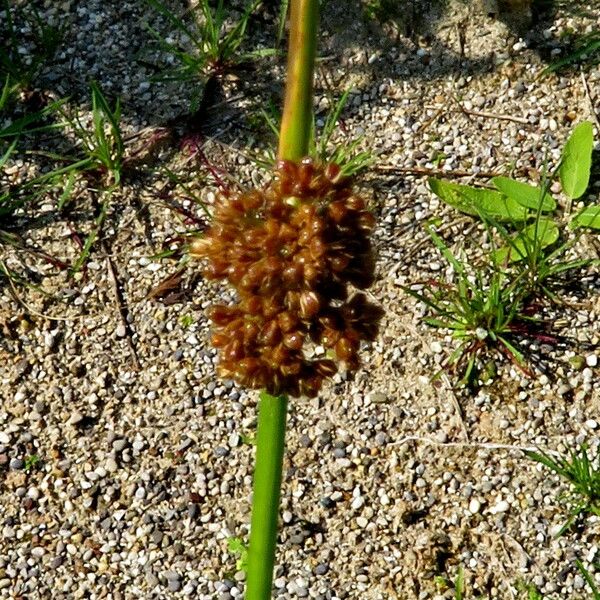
(122, 310)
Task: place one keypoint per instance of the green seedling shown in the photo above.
(535, 249)
(31, 462)
(102, 142)
(481, 307)
(93, 235)
(531, 591)
(215, 47)
(347, 155)
(25, 125)
(458, 585)
(16, 73)
(237, 547)
(249, 440)
(588, 579)
(186, 321)
(585, 50)
(584, 478)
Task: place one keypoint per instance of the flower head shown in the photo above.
(293, 252)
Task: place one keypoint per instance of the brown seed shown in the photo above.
(287, 321)
(292, 275)
(254, 238)
(332, 172)
(252, 200)
(220, 315)
(311, 385)
(287, 233)
(293, 340)
(271, 307)
(292, 301)
(337, 211)
(317, 248)
(219, 339)
(250, 332)
(339, 262)
(252, 305)
(309, 305)
(355, 203)
(216, 269)
(305, 173)
(236, 271)
(233, 351)
(248, 366)
(270, 334)
(325, 368)
(346, 349)
(279, 356)
(291, 368)
(366, 221)
(273, 265)
(311, 274)
(201, 246)
(235, 205)
(316, 225)
(330, 337)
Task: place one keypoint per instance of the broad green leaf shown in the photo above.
(532, 238)
(576, 161)
(525, 194)
(588, 217)
(478, 201)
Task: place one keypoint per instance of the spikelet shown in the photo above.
(293, 252)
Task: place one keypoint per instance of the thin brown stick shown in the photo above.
(433, 118)
(476, 445)
(488, 115)
(425, 172)
(589, 99)
(118, 298)
(32, 311)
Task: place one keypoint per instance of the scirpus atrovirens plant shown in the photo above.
(297, 253)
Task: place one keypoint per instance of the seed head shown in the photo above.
(295, 253)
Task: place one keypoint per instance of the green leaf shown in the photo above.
(588, 217)
(532, 238)
(525, 194)
(478, 201)
(576, 162)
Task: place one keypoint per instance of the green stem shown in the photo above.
(296, 122)
(294, 139)
(270, 441)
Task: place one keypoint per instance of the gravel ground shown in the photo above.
(145, 464)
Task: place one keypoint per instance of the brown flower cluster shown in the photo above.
(291, 251)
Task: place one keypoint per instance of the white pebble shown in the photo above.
(474, 506)
(591, 360)
(436, 347)
(357, 502)
(501, 506)
(362, 522)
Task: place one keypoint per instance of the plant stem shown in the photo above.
(296, 126)
(296, 122)
(270, 441)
